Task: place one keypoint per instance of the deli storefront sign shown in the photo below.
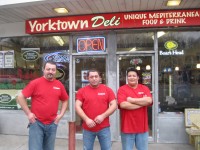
(152, 19)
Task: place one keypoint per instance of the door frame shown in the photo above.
(74, 57)
(152, 138)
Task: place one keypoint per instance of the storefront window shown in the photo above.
(179, 71)
(135, 42)
(21, 60)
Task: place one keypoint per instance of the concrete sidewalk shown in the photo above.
(13, 142)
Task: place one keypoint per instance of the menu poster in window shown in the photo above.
(7, 59)
(30, 54)
(8, 99)
(1, 60)
(146, 78)
(84, 78)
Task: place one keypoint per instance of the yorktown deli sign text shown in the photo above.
(115, 21)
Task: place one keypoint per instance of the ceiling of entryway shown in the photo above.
(20, 10)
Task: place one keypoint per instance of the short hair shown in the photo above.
(49, 62)
(92, 70)
(132, 69)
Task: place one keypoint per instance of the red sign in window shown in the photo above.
(91, 44)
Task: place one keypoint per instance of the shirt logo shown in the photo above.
(101, 93)
(140, 93)
(57, 88)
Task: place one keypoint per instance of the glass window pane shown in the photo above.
(179, 76)
(135, 42)
(29, 55)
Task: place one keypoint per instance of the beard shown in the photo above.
(50, 76)
(94, 84)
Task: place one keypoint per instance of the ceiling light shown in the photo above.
(159, 34)
(176, 68)
(138, 68)
(133, 49)
(173, 2)
(59, 40)
(148, 67)
(198, 66)
(61, 10)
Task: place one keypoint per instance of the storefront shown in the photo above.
(162, 45)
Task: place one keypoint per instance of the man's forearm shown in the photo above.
(111, 109)
(144, 101)
(23, 103)
(129, 106)
(64, 107)
(80, 111)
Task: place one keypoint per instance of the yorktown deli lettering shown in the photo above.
(63, 25)
(57, 25)
(115, 21)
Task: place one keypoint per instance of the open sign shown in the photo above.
(91, 44)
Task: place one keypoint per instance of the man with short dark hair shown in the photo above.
(45, 93)
(94, 104)
(133, 99)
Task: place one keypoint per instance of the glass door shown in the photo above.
(143, 63)
(81, 64)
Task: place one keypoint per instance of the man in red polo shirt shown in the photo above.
(133, 99)
(94, 104)
(45, 93)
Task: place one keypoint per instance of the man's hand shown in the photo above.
(31, 117)
(90, 123)
(99, 119)
(57, 119)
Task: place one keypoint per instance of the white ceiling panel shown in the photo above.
(136, 5)
(121, 5)
(128, 5)
(151, 4)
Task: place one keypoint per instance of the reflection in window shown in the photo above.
(28, 59)
(21, 60)
(135, 42)
(179, 77)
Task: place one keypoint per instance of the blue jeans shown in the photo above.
(41, 136)
(104, 137)
(140, 141)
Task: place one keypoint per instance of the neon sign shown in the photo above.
(91, 44)
(58, 57)
(171, 46)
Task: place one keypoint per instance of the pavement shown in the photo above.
(17, 142)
